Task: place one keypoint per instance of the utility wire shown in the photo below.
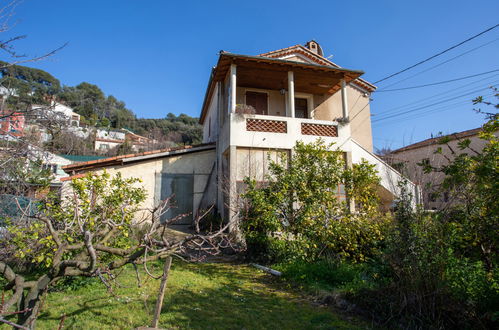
(422, 114)
(436, 55)
(439, 64)
(437, 83)
(426, 106)
(439, 96)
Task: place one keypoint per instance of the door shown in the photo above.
(301, 108)
(181, 186)
(258, 101)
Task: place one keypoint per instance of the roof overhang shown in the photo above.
(272, 73)
(131, 158)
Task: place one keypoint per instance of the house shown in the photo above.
(108, 139)
(11, 123)
(256, 107)
(138, 142)
(406, 160)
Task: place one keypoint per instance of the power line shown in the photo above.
(427, 106)
(437, 83)
(422, 114)
(436, 55)
(438, 96)
(439, 64)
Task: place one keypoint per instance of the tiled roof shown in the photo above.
(436, 140)
(119, 160)
(317, 59)
(81, 158)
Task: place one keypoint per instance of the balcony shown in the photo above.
(282, 132)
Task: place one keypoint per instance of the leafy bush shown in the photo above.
(326, 274)
(304, 206)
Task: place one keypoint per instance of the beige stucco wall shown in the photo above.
(359, 113)
(197, 163)
(210, 125)
(407, 161)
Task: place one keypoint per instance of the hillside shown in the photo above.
(97, 108)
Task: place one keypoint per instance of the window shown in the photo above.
(301, 108)
(104, 146)
(50, 167)
(258, 101)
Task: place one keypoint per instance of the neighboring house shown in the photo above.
(73, 117)
(255, 107)
(107, 139)
(11, 123)
(406, 160)
(138, 142)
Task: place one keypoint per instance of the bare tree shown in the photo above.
(83, 236)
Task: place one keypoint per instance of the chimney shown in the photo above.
(314, 47)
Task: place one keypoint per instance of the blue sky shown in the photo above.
(157, 55)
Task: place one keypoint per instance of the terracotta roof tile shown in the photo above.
(115, 160)
(436, 140)
(316, 58)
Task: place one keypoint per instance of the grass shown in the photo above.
(327, 276)
(199, 296)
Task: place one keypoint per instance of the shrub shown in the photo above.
(302, 206)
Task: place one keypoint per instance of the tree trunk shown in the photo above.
(31, 303)
(161, 295)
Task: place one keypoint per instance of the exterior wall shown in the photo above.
(389, 177)
(254, 162)
(197, 164)
(210, 125)
(100, 144)
(239, 136)
(408, 161)
(13, 124)
(359, 114)
(112, 135)
(73, 117)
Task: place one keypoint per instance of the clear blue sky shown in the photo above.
(157, 55)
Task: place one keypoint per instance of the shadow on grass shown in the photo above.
(198, 296)
(242, 299)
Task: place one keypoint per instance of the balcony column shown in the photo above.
(344, 98)
(233, 85)
(291, 94)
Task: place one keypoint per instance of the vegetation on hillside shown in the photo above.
(35, 86)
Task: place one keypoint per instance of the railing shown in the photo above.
(281, 126)
(282, 132)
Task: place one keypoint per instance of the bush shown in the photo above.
(303, 205)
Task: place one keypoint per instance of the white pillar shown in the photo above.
(344, 98)
(233, 88)
(291, 94)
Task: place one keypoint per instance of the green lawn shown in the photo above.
(199, 296)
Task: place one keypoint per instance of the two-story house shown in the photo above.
(260, 105)
(256, 107)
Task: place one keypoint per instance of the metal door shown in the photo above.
(181, 186)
